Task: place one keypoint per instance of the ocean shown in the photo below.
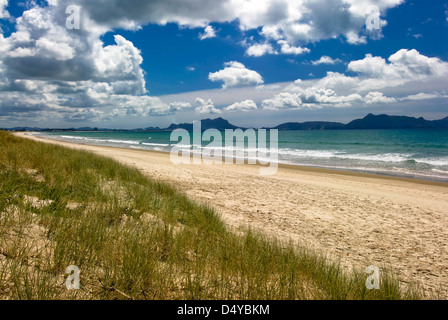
(421, 153)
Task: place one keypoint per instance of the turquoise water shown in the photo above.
(408, 153)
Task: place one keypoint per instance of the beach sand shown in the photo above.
(359, 219)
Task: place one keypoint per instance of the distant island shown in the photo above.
(370, 121)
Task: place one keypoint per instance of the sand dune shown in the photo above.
(358, 218)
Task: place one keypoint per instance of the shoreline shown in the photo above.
(358, 219)
(380, 175)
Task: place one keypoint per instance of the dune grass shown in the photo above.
(136, 238)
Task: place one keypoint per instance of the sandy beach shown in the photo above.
(360, 219)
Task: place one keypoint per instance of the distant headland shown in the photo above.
(370, 121)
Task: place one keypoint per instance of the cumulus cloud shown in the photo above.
(295, 19)
(136, 106)
(425, 96)
(271, 32)
(124, 13)
(121, 62)
(284, 100)
(320, 19)
(177, 106)
(83, 115)
(338, 90)
(311, 97)
(246, 105)
(260, 49)
(282, 46)
(4, 14)
(353, 38)
(293, 22)
(81, 78)
(403, 64)
(235, 74)
(402, 67)
(286, 48)
(43, 48)
(326, 60)
(206, 107)
(289, 20)
(377, 97)
(209, 32)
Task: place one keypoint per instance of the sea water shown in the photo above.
(421, 153)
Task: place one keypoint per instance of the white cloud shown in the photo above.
(209, 32)
(235, 74)
(404, 64)
(268, 87)
(271, 32)
(413, 63)
(43, 48)
(373, 66)
(302, 21)
(309, 20)
(338, 82)
(424, 96)
(260, 49)
(246, 105)
(284, 100)
(102, 105)
(290, 20)
(177, 106)
(353, 38)
(137, 106)
(339, 90)
(298, 97)
(121, 62)
(81, 78)
(79, 115)
(326, 60)
(377, 97)
(314, 20)
(4, 14)
(58, 50)
(287, 49)
(206, 107)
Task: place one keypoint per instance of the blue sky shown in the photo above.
(161, 46)
(256, 63)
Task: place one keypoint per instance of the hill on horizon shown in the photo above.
(371, 121)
